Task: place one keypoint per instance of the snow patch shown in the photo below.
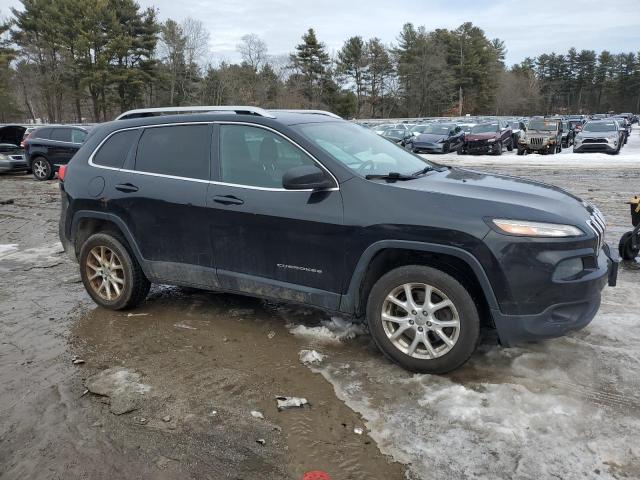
(311, 356)
(334, 330)
(7, 248)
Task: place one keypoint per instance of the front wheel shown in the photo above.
(110, 274)
(423, 319)
(498, 148)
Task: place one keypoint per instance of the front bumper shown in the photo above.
(560, 318)
(16, 163)
(595, 147)
(479, 148)
(427, 147)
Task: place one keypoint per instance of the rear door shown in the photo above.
(270, 241)
(60, 146)
(161, 195)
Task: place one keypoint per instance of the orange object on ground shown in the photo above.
(316, 475)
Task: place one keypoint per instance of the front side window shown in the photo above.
(177, 150)
(115, 150)
(362, 151)
(61, 134)
(257, 157)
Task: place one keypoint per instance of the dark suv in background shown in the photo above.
(489, 137)
(306, 207)
(47, 148)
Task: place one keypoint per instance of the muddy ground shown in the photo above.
(194, 365)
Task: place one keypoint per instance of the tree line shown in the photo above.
(88, 60)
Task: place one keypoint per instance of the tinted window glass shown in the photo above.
(42, 133)
(78, 136)
(181, 150)
(257, 157)
(115, 150)
(61, 134)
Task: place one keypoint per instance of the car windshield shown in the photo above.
(393, 132)
(362, 151)
(515, 125)
(599, 127)
(438, 129)
(544, 125)
(485, 128)
(419, 128)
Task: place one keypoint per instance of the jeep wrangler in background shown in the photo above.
(305, 207)
(542, 136)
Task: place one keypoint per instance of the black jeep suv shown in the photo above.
(47, 148)
(308, 208)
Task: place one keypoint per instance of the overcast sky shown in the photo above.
(527, 27)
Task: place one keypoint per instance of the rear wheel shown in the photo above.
(423, 319)
(110, 273)
(42, 169)
(625, 248)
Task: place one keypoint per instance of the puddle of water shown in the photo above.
(207, 352)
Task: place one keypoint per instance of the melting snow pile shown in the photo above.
(8, 248)
(336, 330)
(311, 356)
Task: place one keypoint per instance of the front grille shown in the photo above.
(536, 141)
(595, 140)
(598, 224)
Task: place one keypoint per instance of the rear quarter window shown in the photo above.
(116, 149)
(42, 133)
(181, 151)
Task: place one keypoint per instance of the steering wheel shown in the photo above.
(366, 165)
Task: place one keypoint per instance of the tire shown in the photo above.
(625, 247)
(510, 146)
(446, 148)
(520, 151)
(552, 151)
(132, 284)
(460, 151)
(42, 169)
(499, 150)
(445, 357)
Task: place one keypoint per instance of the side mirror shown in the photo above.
(306, 177)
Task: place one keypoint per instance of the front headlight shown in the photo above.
(536, 229)
(4, 158)
(491, 140)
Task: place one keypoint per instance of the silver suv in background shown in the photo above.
(599, 136)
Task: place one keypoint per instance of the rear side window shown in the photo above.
(61, 134)
(42, 133)
(115, 150)
(181, 151)
(78, 136)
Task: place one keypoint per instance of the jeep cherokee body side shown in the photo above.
(308, 208)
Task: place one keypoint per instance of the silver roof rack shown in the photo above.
(195, 109)
(318, 112)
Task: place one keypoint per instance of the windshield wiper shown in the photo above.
(426, 169)
(391, 176)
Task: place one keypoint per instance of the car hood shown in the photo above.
(541, 133)
(12, 134)
(496, 195)
(479, 136)
(430, 137)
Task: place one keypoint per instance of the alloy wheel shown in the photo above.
(40, 169)
(420, 320)
(105, 273)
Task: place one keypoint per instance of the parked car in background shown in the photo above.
(625, 127)
(543, 135)
(47, 148)
(486, 138)
(599, 136)
(397, 135)
(379, 129)
(12, 157)
(518, 127)
(437, 138)
(567, 134)
(307, 208)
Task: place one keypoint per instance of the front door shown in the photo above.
(269, 241)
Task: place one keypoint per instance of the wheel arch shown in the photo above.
(385, 255)
(86, 223)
